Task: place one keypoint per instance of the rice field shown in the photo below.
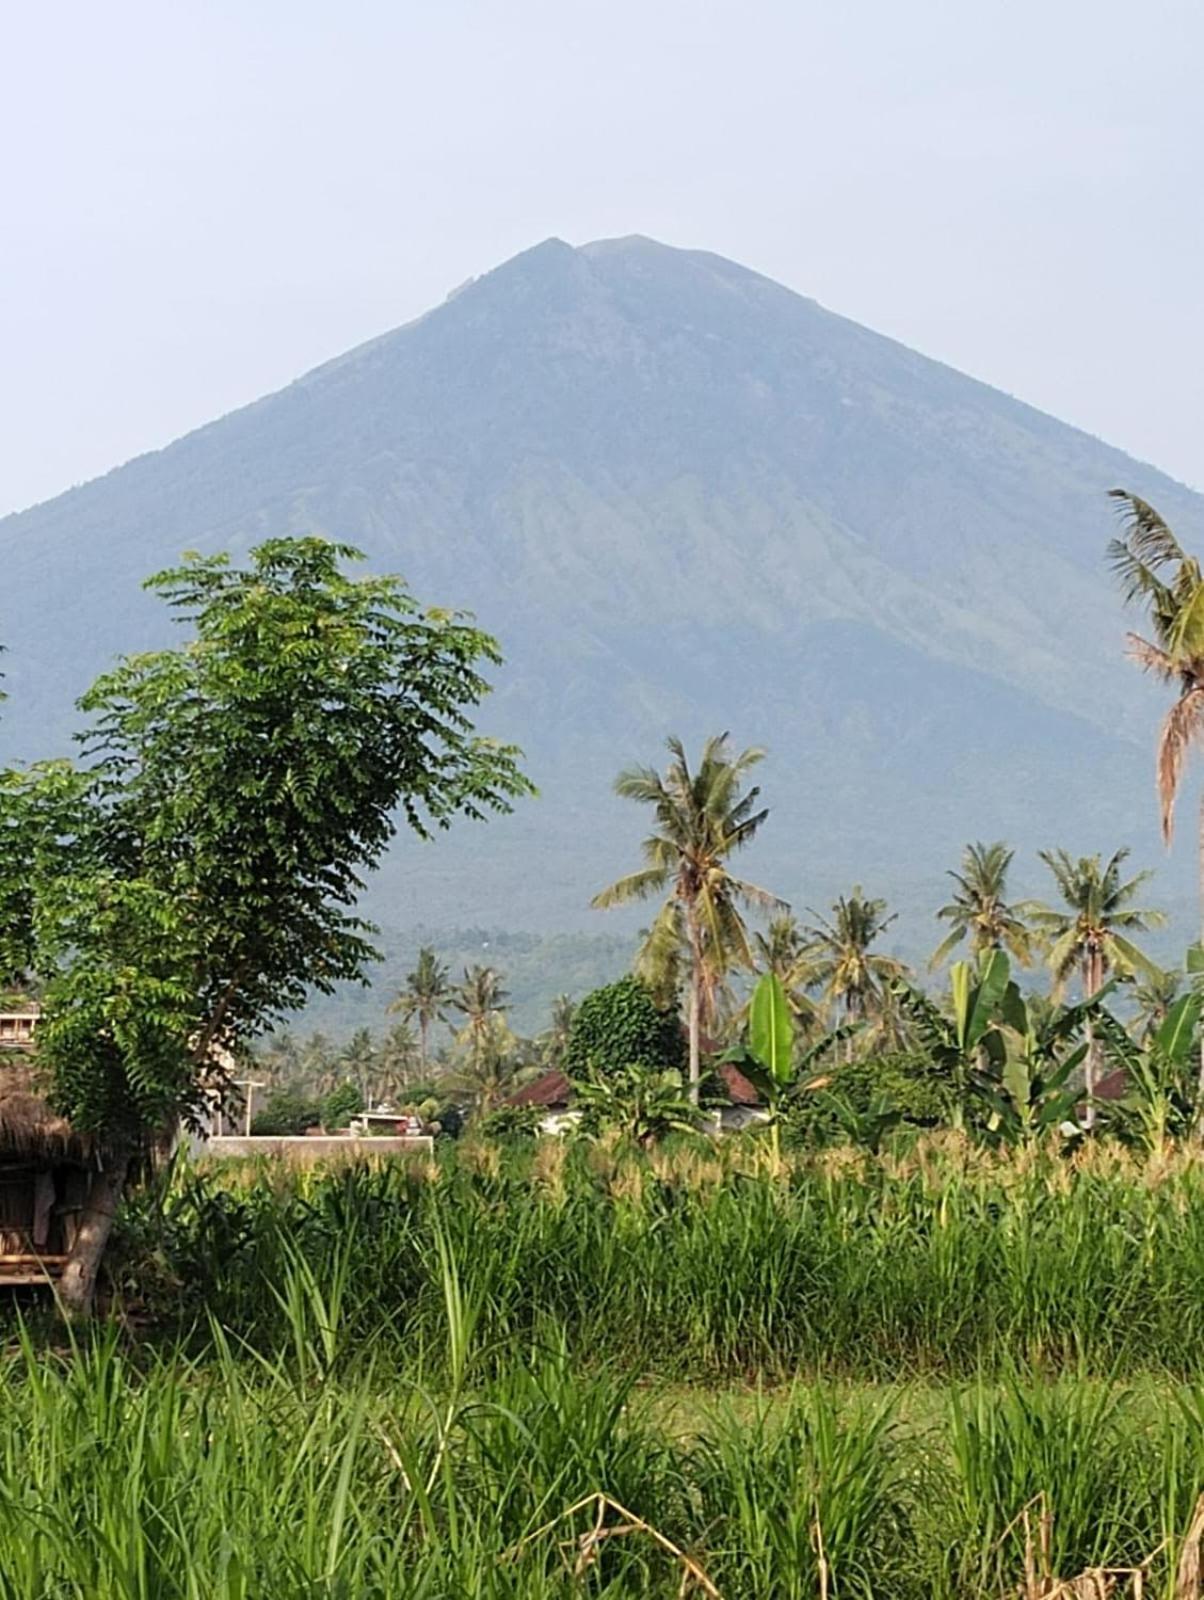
(546, 1371)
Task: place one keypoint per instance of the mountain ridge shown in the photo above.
(685, 498)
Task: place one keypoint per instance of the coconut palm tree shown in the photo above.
(483, 1002)
(426, 994)
(841, 957)
(702, 818)
(554, 1042)
(979, 910)
(1156, 572)
(1154, 999)
(780, 951)
(1089, 933)
(358, 1061)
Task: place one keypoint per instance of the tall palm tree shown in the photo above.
(1157, 573)
(842, 959)
(1089, 933)
(1153, 1000)
(395, 1060)
(979, 910)
(781, 951)
(424, 998)
(483, 1002)
(358, 1061)
(554, 1041)
(702, 818)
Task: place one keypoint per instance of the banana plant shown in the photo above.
(970, 1040)
(1158, 1097)
(1013, 1073)
(767, 1058)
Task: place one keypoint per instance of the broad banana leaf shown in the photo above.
(771, 1029)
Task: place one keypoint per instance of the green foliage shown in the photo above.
(285, 1114)
(771, 1030)
(340, 1105)
(509, 1122)
(194, 881)
(640, 1103)
(621, 1025)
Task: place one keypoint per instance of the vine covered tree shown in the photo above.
(196, 878)
(702, 817)
(979, 911)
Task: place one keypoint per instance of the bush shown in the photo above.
(621, 1026)
(285, 1114)
(340, 1105)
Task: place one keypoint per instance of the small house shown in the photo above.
(45, 1165)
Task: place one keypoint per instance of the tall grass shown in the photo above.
(693, 1264)
(237, 1476)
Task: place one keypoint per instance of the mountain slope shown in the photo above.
(685, 498)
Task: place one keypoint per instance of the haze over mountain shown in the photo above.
(685, 499)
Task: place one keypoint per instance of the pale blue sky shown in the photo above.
(200, 200)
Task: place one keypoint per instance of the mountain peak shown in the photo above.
(684, 498)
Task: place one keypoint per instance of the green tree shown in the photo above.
(842, 959)
(1089, 933)
(702, 818)
(340, 1105)
(979, 910)
(358, 1062)
(285, 1114)
(780, 951)
(554, 1041)
(1155, 572)
(483, 1002)
(621, 1025)
(195, 880)
(425, 997)
(397, 1058)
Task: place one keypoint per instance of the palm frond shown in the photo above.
(1146, 533)
(1149, 657)
(636, 886)
(1184, 722)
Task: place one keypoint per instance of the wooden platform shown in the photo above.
(30, 1271)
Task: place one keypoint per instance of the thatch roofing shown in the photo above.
(28, 1126)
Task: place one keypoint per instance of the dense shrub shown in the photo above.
(340, 1105)
(621, 1026)
(285, 1114)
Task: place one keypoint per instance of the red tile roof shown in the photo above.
(553, 1089)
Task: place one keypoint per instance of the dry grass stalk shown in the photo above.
(589, 1544)
(1101, 1583)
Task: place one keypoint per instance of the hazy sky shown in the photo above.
(201, 200)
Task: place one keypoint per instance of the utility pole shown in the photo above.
(249, 1087)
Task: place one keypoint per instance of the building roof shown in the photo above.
(28, 1126)
(552, 1089)
(739, 1090)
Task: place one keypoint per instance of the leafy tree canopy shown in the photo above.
(619, 1026)
(196, 876)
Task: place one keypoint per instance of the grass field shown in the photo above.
(939, 1373)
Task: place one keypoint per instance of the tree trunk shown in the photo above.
(695, 1013)
(423, 1025)
(77, 1286)
(1093, 979)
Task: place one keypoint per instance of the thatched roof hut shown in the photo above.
(45, 1164)
(29, 1129)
